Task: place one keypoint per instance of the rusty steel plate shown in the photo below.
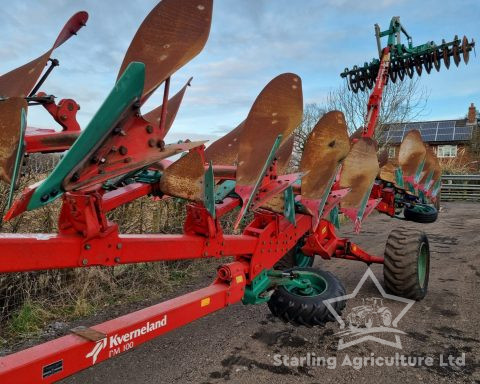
(185, 177)
(429, 165)
(284, 154)
(411, 153)
(173, 104)
(326, 147)
(383, 158)
(357, 134)
(387, 172)
(224, 151)
(10, 134)
(437, 171)
(172, 34)
(21, 80)
(277, 111)
(360, 168)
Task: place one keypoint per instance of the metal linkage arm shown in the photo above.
(57, 359)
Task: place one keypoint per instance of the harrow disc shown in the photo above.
(465, 49)
(427, 62)
(418, 65)
(326, 147)
(456, 54)
(446, 57)
(411, 153)
(359, 171)
(11, 135)
(437, 59)
(353, 82)
(170, 36)
(393, 73)
(20, 81)
(409, 67)
(401, 69)
(362, 83)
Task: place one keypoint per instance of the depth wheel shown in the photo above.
(406, 268)
(295, 307)
(421, 213)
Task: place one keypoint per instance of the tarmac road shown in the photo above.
(238, 344)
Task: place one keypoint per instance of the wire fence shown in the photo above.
(29, 301)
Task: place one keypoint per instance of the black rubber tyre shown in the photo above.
(294, 258)
(310, 311)
(406, 268)
(437, 202)
(421, 213)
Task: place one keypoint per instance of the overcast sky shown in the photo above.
(250, 42)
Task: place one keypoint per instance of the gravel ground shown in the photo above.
(238, 344)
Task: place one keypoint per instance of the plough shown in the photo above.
(121, 156)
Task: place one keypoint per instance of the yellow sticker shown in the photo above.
(205, 302)
(239, 279)
(324, 230)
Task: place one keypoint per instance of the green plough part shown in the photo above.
(257, 291)
(126, 92)
(223, 190)
(289, 205)
(209, 191)
(18, 157)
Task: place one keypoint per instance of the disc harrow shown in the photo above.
(406, 59)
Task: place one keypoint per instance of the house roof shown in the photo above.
(431, 131)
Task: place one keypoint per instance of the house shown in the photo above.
(451, 140)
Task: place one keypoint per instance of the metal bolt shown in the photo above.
(149, 129)
(119, 246)
(151, 143)
(161, 144)
(123, 150)
(117, 260)
(45, 198)
(54, 193)
(70, 106)
(117, 130)
(85, 261)
(63, 117)
(87, 246)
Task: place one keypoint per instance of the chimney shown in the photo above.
(472, 115)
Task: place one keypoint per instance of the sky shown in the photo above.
(250, 42)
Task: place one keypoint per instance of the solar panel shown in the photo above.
(431, 131)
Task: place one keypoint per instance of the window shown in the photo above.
(447, 151)
(391, 152)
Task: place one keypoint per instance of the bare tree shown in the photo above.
(311, 114)
(402, 101)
